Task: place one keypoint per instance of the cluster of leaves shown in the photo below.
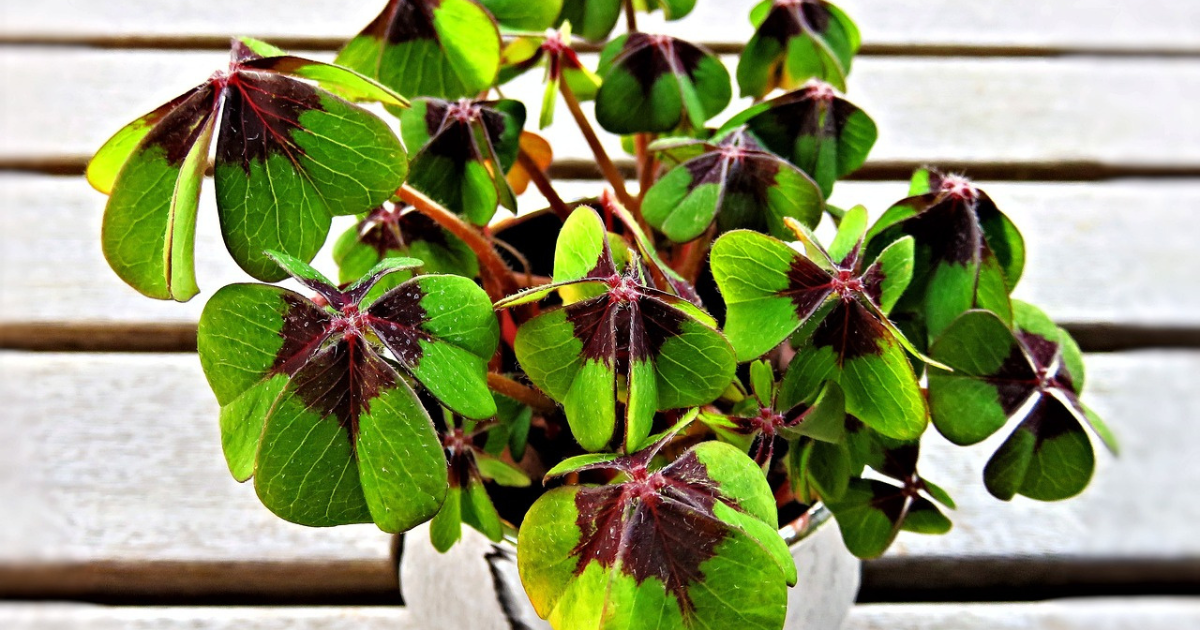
(690, 363)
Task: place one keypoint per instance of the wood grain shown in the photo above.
(956, 26)
(1078, 115)
(1101, 255)
(111, 471)
(1094, 614)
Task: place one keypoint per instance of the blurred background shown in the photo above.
(1078, 117)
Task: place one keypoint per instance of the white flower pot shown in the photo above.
(475, 586)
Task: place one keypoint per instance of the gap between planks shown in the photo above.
(180, 337)
(580, 169)
(334, 44)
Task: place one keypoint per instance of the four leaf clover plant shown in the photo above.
(636, 384)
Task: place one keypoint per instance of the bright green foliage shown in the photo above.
(438, 48)
(737, 184)
(611, 556)
(310, 407)
(563, 68)
(1034, 372)
(290, 155)
(464, 149)
(655, 83)
(814, 128)
(794, 42)
(623, 344)
(524, 15)
(773, 292)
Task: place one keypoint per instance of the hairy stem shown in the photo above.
(542, 182)
(498, 279)
(647, 163)
(691, 256)
(521, 393)
(602, 160)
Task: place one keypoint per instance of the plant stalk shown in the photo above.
(542, 182)
(498, 279)
(602, 160)
(521, 393)
(630, 17)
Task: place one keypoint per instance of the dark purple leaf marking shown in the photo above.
(334, 356)
(657, 525)
(815, 110)
(391, 228)
(789, 19)
(404, 21)
(261, 112)
(808, 286)
(342, 379)
(396, 318)
(851, 330)
(179, 124)
(648, 57)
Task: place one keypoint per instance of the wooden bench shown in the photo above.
(1079, 116)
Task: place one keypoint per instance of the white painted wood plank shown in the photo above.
(108, 458)
(1092, 614)
(953, 110)
(1162, 25)
(1099, 253)
(114, 461)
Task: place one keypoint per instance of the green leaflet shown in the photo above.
(794, 42)
(654, 83)
(968, 255)
(280, 174)
(149, 228)
(328, 429)
(524, 15)
(465, 149)
(589, 559)
(739, 185)
(282, 194)
(815, 129)
(622, 345)
(1034, 371)
(439, 48)
(772, 291)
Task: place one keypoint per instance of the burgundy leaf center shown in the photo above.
(657, 525)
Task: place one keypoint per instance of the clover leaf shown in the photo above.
(871, 512)
(622, 343)
(736, 183)
(655, 83)
(290, 155)
(764, 422)
(465, 149)
(553, 51)
(467, 499)
(692, 544)
(315, 403)
(524, 15)
(794, 41)
(392, 231)
(1033, 372)
(969, 255)
(836, 307)
(814, 128)
(440, 48)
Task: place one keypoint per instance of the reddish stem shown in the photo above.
(602, 160)
(542, 182)
(521, 393)
(498, 279)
